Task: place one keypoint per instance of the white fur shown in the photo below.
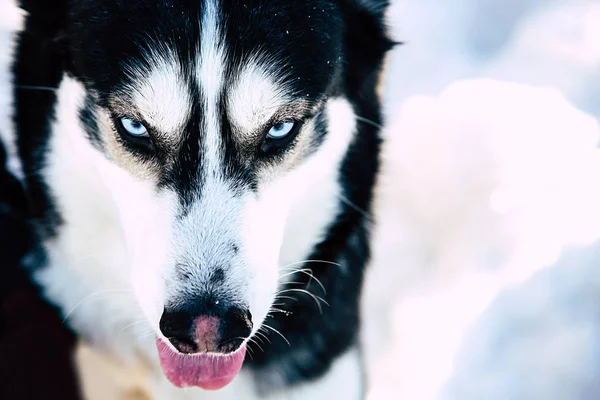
(256, 95)
(88, 275)
(210, 79)
(202, 243)
(162, 96)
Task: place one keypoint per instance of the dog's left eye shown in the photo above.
(279, 136)
(281, 130)
(133, 127)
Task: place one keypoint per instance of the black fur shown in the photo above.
(38, 69)
(88, 119)
(15, 235)
(327, 48)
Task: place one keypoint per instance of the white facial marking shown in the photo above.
(93, 271)
(210, 79)
(256, 95)
(316, 201)
(161, 94)
(202, 243)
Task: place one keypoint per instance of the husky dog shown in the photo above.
(200, 174)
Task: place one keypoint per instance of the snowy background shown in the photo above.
(484, 281)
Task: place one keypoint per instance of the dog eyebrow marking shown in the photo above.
(210, 79)
(257, 94)
(159, 92)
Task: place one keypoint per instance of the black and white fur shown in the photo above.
(206, 210)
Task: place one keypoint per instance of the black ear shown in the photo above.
(366, 43)
(43, 39)
(47, 18)
(376, 7)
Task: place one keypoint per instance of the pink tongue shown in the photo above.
(210, 372)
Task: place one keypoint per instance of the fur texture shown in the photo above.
(207, 213)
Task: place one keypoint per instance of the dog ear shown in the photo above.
(375, 7)
(46, 25)
(51, 14)
(366, 43)
(44, 37)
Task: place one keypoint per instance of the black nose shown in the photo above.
(209, 331)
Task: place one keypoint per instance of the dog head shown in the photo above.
(221, 113)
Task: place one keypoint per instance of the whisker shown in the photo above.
(288, 273)
(33, 87)
(309, 261)
(278, 296)
(277, 332)
(93, 295)
(315, 297)
(256, 343)
(305, 292)
(250, 352)
(264, 336)
(259, 338)
(144, 335)
(273, 309)
(356, 208)
(308, 272)
(368, 121)
(132, 324)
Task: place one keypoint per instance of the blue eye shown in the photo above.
(133, 127)
(281, 130)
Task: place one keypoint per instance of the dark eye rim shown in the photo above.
(137, 143)
(122, 124)
(272, 145)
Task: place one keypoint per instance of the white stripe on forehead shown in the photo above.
(210, 79)
(160, 92)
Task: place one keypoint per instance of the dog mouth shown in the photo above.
(208, 371)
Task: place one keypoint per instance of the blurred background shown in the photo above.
(486, 278)
(485, 281)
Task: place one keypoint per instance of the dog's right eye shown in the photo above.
(133, 127)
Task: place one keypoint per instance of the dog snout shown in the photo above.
(222, 331)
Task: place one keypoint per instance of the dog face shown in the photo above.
(177, 155)
(218, 110)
